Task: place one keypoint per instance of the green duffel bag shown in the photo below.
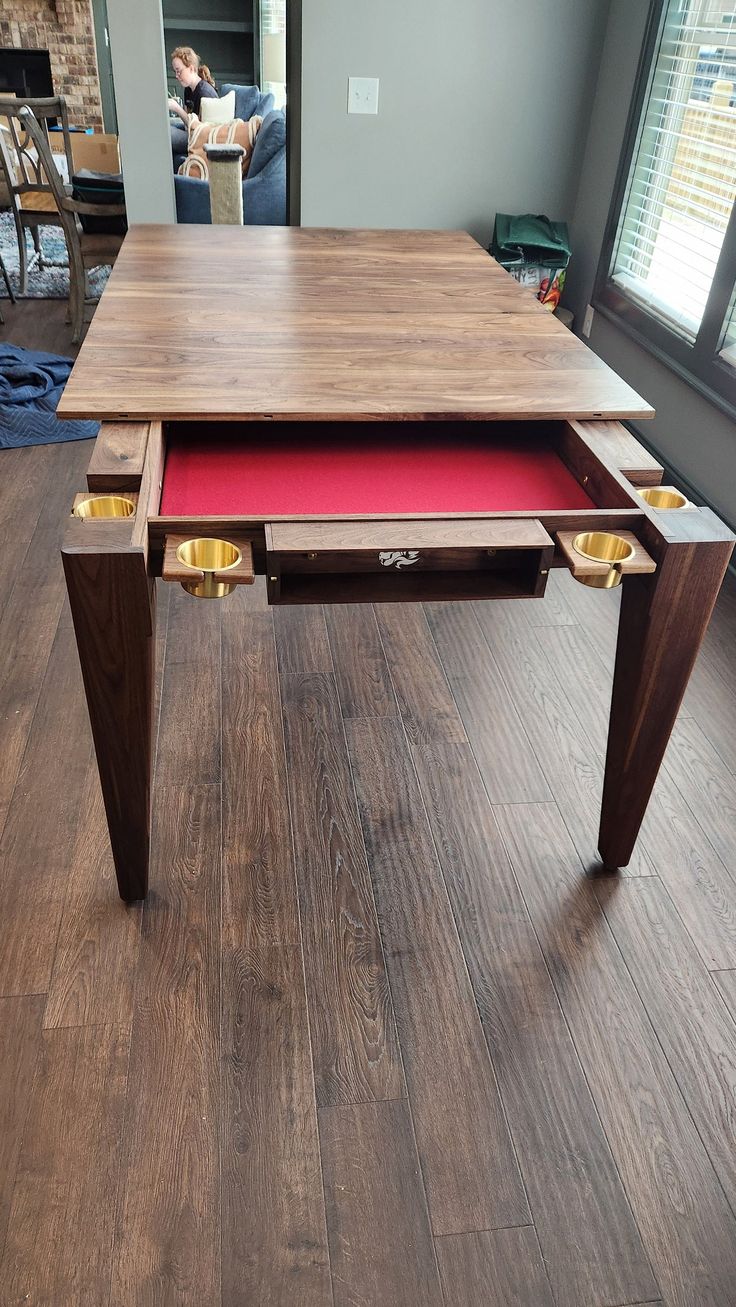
(530, 238)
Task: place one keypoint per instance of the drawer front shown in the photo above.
(347, 562)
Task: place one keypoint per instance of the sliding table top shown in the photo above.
(228, 322)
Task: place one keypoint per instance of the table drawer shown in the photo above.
(400, 561)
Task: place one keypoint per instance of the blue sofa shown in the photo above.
(264, 189)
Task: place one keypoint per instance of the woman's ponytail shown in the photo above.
(205, 73)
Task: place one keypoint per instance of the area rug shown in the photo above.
(51, 282)
(31, 384)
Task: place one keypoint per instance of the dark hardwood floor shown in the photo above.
(375, 1039)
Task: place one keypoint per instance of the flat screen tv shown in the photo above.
(25, 73)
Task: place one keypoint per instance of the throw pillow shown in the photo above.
(218, 111)
(201, 134)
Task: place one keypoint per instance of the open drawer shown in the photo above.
(400, 561)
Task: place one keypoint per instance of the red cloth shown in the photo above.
(354, 469)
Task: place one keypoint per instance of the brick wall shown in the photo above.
(65, 29)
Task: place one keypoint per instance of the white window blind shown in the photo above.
(682, 182)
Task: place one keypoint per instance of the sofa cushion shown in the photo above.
(232, 133)
(271, 138)
(221, 110)
(249, 100)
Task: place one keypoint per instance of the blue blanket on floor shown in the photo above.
(30, 388)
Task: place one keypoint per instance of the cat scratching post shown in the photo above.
(226, 183)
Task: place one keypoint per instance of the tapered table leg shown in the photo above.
(113, 607)
(664, 617)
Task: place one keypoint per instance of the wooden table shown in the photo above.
(362, 416)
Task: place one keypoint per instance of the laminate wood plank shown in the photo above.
(675, 844)
(381, 1248)
(686, 1224)
(726, 982)
(167, 1240)
(590, 1241)
(713, 705)
(60, 1231)
(475, 1184)
(491, 718)
(97, 947)
(594, 610)
(571, 764)
(274, 1238)
(314, 375)
(38, 839)
(718, 643)
(259, 885)
(363, 679)
(20, 1042)
(28, 627)
(423, 695)
(354, 1045)
(21, 504)
(706, 784)
(550, 610)
(693, 1027)
(699, 883)
(493, 1268)
(189, 747)
(301, 639)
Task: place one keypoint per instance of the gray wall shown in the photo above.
(691, 436)
(139, 70)
(483, 106)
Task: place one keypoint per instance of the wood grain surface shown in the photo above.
(688, 1227)
(476, 1185)
(259, 884)
(380, 1239)
(354, 1045)
(20, 1038)
(581, 1212)
(168, 1224)
(351, 324)
(696, 1032)
(60, 1232)
(274, 1235)
(494, 1268)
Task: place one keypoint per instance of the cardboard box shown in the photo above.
(99, 152)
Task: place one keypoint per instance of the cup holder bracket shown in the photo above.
(98, 506)
(208, 567)
(601, 558)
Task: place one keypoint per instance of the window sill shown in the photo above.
(717, 385)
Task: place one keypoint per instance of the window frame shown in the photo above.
(698, 363)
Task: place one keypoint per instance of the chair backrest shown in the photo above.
(37, 144)
(27, 173)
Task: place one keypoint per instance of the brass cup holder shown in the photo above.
(663, 497)
(210, 557)
(603, 547)
(104, 506)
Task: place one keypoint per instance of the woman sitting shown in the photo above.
(196, 81)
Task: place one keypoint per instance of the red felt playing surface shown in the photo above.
(323, 471)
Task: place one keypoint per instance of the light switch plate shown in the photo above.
(362, 95)
(588, 320)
